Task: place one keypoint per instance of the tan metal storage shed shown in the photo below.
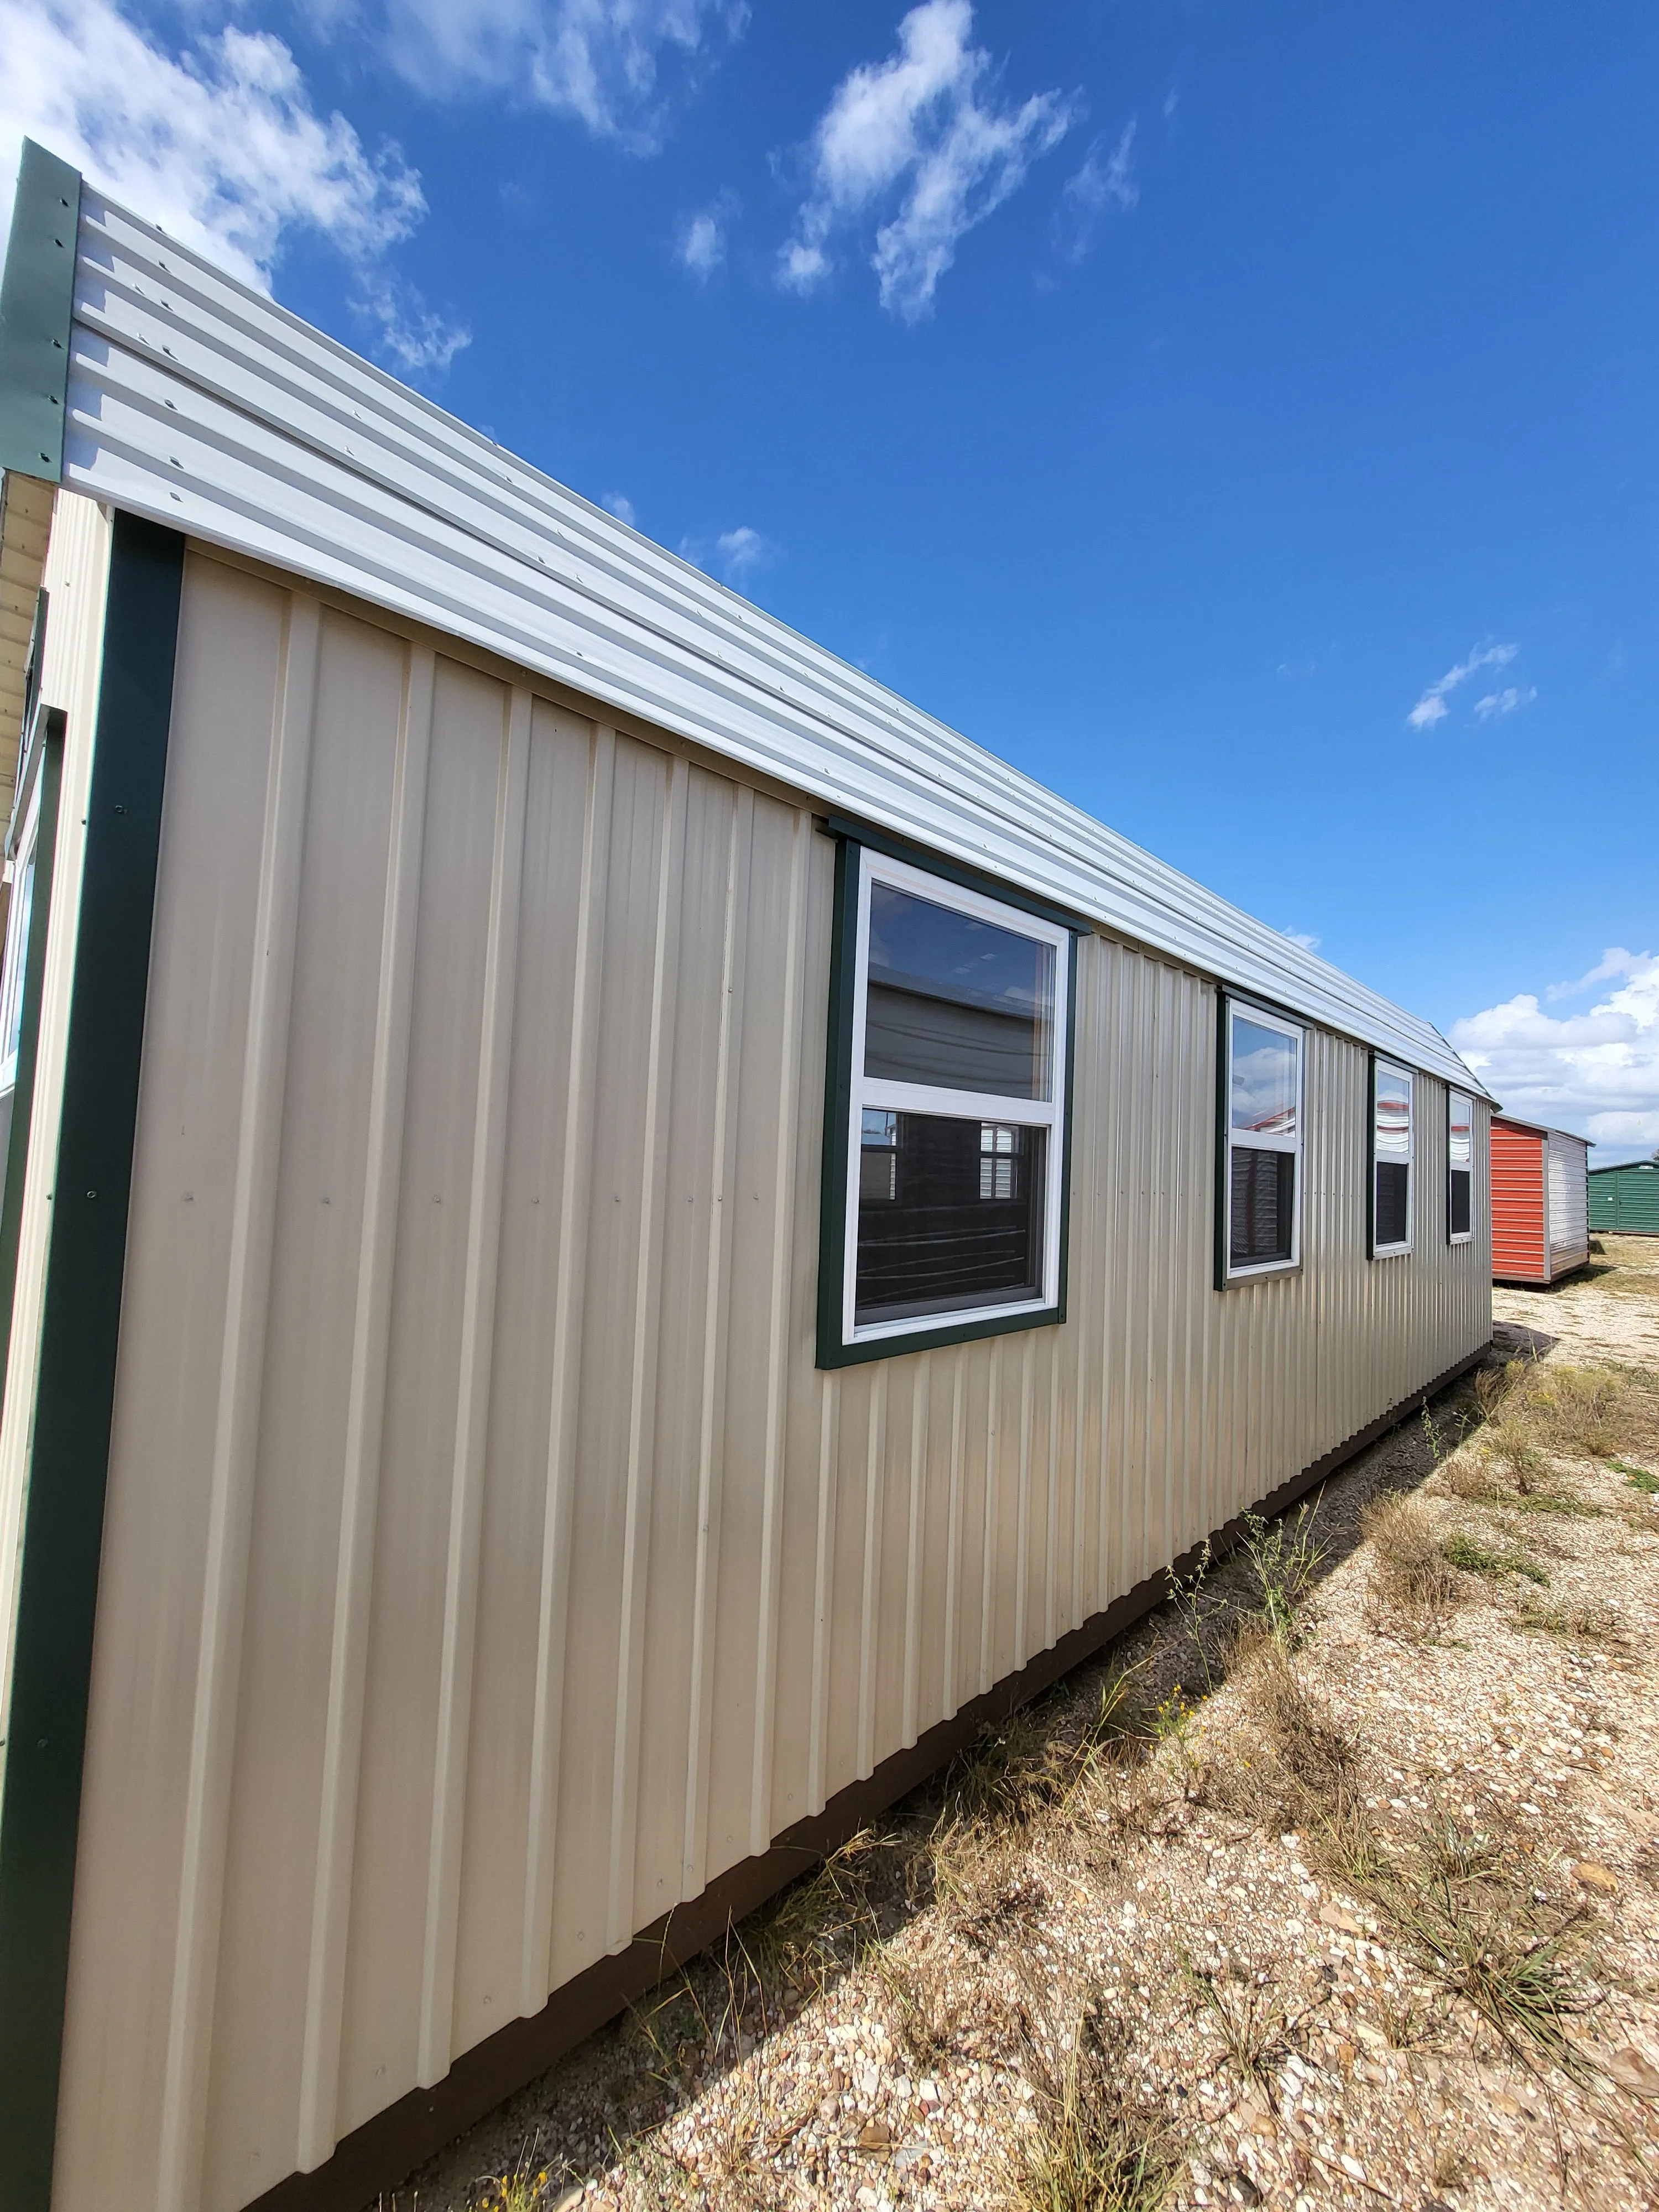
(618, 1235)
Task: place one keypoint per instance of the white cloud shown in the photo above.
(1506, 700)
(219, 145)
(924, 125)
(701, 246)
(1431, 707)
(600, 61)
(619, 504)
(732, 556)
(1596, 1073)
(1302, 937)
(739, 551)
(1098, 188)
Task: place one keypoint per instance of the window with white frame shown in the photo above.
(1262, 1199)
(956, 1076)
(1460, 1167)
(1394, 1153)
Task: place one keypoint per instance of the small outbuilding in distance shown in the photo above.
(1625, 1201)
(1540, 1202)
(618, 1238)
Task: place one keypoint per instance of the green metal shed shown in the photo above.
(1625, 1200)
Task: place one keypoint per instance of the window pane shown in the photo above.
(1462, 1131)
(1264, 1079)
(877, 1158)
(956, 1002)
(964, 1226)
(1264, 1205)
(1394, 1114)
(1460, 1181)
(1393, 1181)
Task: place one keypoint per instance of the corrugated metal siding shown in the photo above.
(487, 1563)
(1519, 1254)
(76, 574)
(1625, 1200)
(199, 402)
(1569, 1203)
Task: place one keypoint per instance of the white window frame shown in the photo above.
(1459, 1236)
(1253, 1140)
(1380, 1251)
(18, 919)
(1048, 1113)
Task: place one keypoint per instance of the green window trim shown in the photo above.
(834, 1350)
(80, 1325)
(1227, 1002)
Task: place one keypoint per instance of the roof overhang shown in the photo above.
(189, 397)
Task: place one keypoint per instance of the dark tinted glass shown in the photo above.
(956, 1002)
(1461, 1180)
(963, 1227)
(1394, 1182)
(1264, 1205)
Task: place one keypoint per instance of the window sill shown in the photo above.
(1244, 1277)
(966, 1330)
(1393, 1252)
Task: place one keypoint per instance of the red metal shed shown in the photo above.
(1539, 1201)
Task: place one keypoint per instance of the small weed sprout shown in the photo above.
(1474, 1558)
(1285, 1558)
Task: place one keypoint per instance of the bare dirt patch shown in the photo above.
(1336, 1882)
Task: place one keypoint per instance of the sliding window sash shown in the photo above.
(843, 1339)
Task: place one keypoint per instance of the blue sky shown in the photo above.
(1242, 418)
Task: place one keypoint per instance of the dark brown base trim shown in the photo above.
(377, 2156)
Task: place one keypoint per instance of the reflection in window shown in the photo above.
(946, 1241)
(879, 1158)
(955, 1002)
(1460, 1166)
(1391, 1154)
(1264, 1141)
(958, 1044)
(999, 1159)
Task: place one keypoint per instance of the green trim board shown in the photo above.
(832, 1350)
(892, 846)
(44, 759)
(75, 1389)
(37, 298)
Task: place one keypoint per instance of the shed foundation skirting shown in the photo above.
(378, 2155)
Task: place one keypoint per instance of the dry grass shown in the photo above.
(1411, 1576)
(1091, 2145)
(1536, 1407)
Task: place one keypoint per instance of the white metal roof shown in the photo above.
(197, 401)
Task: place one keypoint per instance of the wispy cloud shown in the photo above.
(605, 63)
(735, 555)
(1614, 963)
(1506, 700)
(1432, 707)
(1596, 1073)
(220, 144)
(1099, 186)
(701, 247)
(927, 127)
(619, 504)
(1302, 937)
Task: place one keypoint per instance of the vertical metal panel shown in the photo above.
(491, 1567)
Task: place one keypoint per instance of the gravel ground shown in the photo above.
(1335, 1882)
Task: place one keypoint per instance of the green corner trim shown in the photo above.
(75, 1389)
(37, 297)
